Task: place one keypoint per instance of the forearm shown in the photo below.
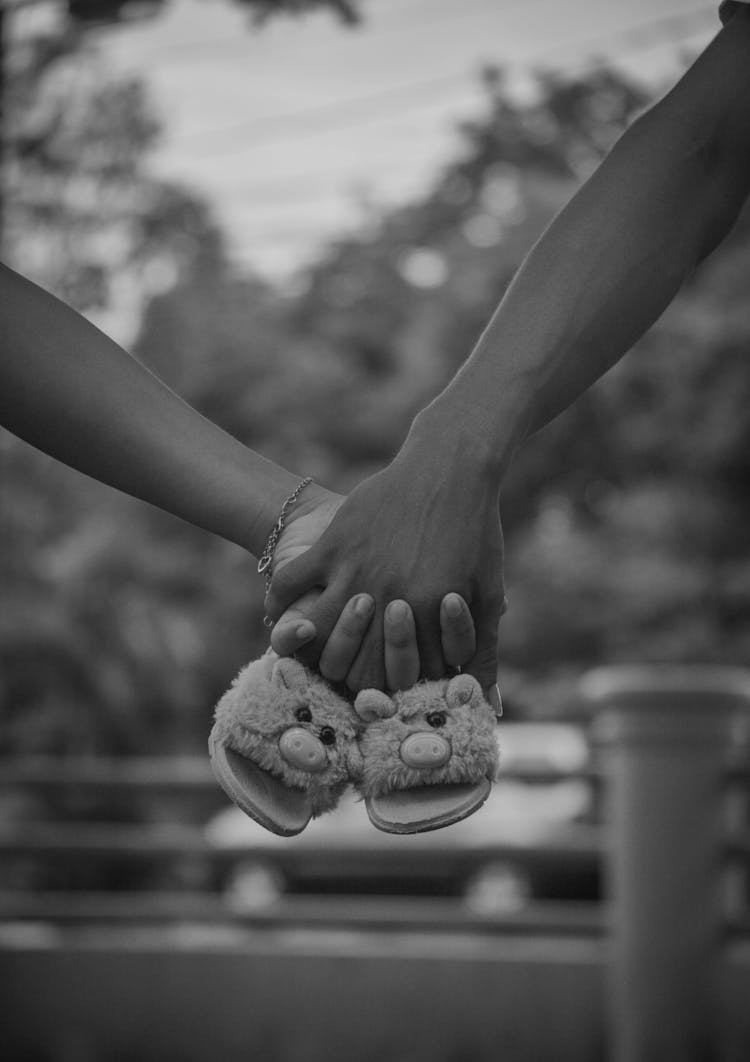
(614, 258)
(72, 392)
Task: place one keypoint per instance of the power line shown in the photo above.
(352, 110)
(314, 197)
(281, 188)
(313, 121)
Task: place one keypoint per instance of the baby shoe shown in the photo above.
(429, 754)
(284, 744)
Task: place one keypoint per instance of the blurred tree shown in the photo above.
(404, 305)
(97, 12)
(627, 519)
(104, 637)
(90, 648)
(83, 217)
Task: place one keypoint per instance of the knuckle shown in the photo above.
(462, 625)
(399, 638)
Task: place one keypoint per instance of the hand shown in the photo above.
(401, 657)
(424, 527)
(401, 654)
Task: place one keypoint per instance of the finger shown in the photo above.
(484, 664)
(401, 652)
(294, 628)
(346, 638)
(457, 632)
(368, 669)
(288, 638)
(323, 613)
(293, 581)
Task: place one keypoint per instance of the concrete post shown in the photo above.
(665, 734)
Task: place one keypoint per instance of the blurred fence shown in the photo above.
(659, 968)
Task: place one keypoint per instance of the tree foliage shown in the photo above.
(82, 214)
(626, 519)
(96, 12)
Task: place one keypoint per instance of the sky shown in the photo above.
(290, 130)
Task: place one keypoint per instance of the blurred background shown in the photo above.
(290, 207)
(303, 213)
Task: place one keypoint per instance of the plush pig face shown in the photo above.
(436, 733)
(298, 739)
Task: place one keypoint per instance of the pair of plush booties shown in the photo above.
(285, 745)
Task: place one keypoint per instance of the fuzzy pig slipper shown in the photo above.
(429, 754)
(284, 744)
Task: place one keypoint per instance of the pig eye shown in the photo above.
(436, 719)
(303, 714)
(328, 735)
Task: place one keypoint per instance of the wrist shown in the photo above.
(459, 433)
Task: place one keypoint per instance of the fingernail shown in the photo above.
(496, 700)
(453, 605)
(397, 611)
(363, 605)
(304, 632)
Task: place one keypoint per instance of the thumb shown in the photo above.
(294, 628)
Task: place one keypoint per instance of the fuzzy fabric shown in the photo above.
(468, 727)
(261, 706)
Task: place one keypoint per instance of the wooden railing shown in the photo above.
(659, 970)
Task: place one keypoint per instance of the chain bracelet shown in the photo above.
(265, 564)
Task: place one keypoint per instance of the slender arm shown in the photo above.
(69, 390)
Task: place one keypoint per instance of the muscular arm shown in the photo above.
(612, 260)
(604, 270)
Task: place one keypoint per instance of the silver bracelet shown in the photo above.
(265, 564)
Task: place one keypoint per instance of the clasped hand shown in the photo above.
(345, 569)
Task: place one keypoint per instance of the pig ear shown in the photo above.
(371, 705)
(289, 673)
(461, 690)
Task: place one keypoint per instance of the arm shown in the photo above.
(69, 390)
(662, 200)
(600, 275)
(72, 392)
